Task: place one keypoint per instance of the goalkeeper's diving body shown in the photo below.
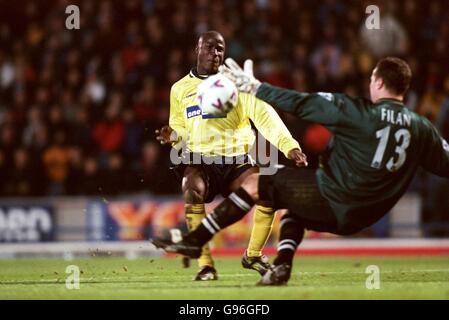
(377, 147)
(222, 144)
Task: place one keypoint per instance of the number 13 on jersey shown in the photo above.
(402, 137)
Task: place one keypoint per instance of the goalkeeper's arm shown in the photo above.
(316, 107)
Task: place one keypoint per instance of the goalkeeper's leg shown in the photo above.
(292, 233)
(229, 211)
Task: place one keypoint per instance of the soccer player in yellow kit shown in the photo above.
(226, 141)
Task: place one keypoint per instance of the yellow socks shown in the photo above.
(194, 214)
(262, 224)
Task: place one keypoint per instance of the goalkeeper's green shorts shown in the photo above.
(296, 189)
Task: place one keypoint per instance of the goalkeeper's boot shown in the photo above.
(276, 276)
(181, 247)
(260, 264)
(206, 273)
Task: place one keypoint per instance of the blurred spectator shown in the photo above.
(435, 193)
(431, 104)
(390, 39)
(132, 135)
(3, 174)
(80, 131)
(56, 161)
(23, 179)
(152, 172)
(145, 107)
(56, 122)
(115, 177)
(75, 172)
(7, 72)
(443, 116)
(95, 90)
(109, 132)
(8, 143)
(33, 128)
(92, 179)
(316, 138)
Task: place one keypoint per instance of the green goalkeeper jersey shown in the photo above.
(374, 153)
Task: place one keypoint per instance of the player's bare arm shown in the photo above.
(298, 157)
(166, 135)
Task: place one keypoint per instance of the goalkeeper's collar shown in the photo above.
(194, 73)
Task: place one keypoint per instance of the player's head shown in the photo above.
(390, 79)
(210, 52)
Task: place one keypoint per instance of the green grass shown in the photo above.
(164, 278)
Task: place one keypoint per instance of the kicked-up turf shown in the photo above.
(164, 278)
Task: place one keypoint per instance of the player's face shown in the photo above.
(210, 54)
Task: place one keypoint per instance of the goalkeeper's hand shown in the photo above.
(243, 78)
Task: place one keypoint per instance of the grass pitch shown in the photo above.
(164, 278)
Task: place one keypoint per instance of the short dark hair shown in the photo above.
(211, 34)
(395, 73)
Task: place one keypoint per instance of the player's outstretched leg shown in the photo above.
(291, 235)
(262, 225)
(206, 272)
(183, 247)
(226, 213)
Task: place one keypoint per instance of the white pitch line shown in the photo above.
(243, 275)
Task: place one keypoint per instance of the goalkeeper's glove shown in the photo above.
(243, 78)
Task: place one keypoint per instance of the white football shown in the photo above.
(217, 95)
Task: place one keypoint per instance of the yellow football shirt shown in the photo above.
(229, 136)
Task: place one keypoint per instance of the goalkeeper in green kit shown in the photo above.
(377, 147)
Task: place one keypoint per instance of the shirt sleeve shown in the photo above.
(435, 157)
(176, 120)
(269, 124)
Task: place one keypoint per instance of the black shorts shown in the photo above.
(297, 190)
(217, 173)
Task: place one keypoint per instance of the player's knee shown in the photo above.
(288, 216)
(193, 187)
(251, 186)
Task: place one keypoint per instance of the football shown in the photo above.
(217, 95)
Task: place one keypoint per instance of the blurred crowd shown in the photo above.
(78, 108)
